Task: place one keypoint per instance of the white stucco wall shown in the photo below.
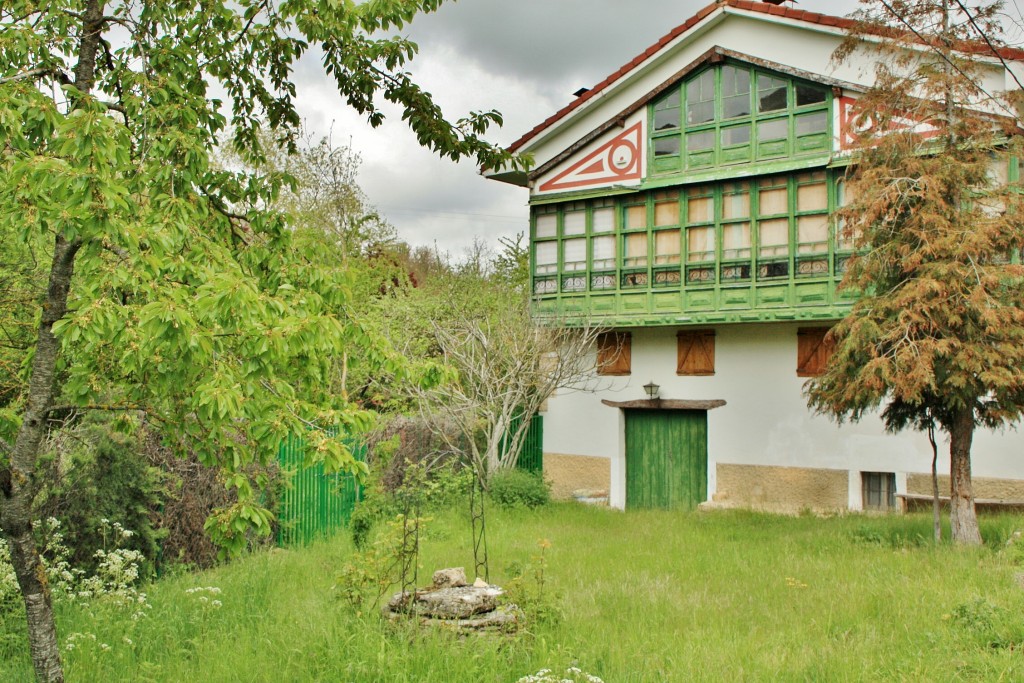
(765, 420)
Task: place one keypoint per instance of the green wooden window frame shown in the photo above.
(573, 246)
(734, 114)
(759, 230)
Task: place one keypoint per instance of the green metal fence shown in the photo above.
(531, 458)
(313, 503)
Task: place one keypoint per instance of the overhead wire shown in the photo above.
(988, 42)
(946, 58)
(1019, 13)
(385, 209)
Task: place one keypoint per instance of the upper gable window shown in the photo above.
(772, 93)
(807, 94)
(733, 114)
(735, 92)
(700, 99)
(666, 111)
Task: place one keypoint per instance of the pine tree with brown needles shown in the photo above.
(937, 335)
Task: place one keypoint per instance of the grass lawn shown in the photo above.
(641, 596)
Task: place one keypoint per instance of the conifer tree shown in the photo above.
(937, 333)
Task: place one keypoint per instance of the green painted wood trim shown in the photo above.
(569, 315)
(739, 172)
(597, 193)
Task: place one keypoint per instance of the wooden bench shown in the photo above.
(918, 501)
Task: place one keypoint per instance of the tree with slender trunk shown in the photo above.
(172, 287)
(937, 332)
(501, 363)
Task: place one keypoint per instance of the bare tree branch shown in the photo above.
(507, 366)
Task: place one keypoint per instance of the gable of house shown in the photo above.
(696, 185)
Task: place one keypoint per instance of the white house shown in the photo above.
(685, 202)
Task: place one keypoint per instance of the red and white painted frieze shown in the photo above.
(607, 162)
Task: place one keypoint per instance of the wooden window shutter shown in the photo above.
(812, 351)
(614, 353)
(695, 352)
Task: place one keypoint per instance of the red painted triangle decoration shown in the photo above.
(617, 160)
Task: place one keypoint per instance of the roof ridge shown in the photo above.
(748, 5)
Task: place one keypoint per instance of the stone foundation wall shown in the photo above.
(569, 473)
(782, 489)
(992, 489)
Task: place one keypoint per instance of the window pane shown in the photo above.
(773, 200)
(736, 135)
(636, 216)
(666, 246)
(546, 257)
(771, 93)
(736, 203)
(774, 236)
(666, 147)
(700, 244)
(604, 219)
(808, 124)
(812, 233)
(634, 251)
(698, 142)
(998, 172)
(843, 194)
(735, 92)
(700, 98)
(845, 237)
(666, 213)
(812, 197)
(699, 209)
(667, 117)
(774, 129)
(604, 253)
(736, 240)
(574, 254)
(547, 225)
(669, 101)
(574, 223)
(806, 94)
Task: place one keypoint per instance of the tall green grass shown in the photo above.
(644, 596)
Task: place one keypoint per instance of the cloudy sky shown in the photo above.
(524, 58)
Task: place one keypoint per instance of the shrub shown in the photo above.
(519, 488)
(361, 522)
(97, 476)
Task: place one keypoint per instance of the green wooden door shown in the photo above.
(666, 458)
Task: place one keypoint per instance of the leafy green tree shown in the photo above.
(332, 217)
(171, 286)
(512, 264)
(22, 285)
(937, 334)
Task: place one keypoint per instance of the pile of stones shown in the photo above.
(450, 602)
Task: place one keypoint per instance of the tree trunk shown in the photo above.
(962, 516)
(936, 503)
(42, 631)
(16, 503)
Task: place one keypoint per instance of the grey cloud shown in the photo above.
(524, 58)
